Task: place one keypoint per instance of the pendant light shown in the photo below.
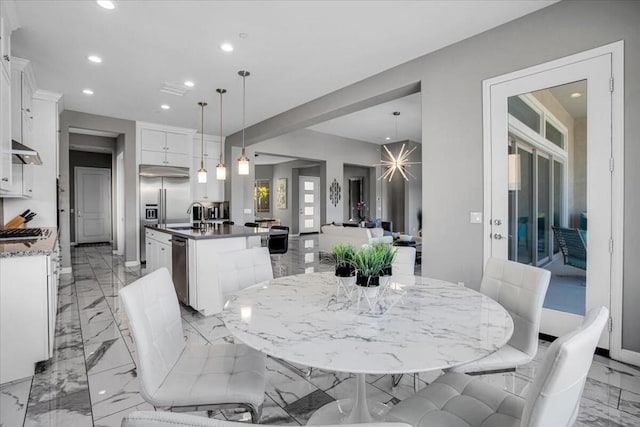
(243, 160)
(221, 169)
(399, 163)
(202, 172)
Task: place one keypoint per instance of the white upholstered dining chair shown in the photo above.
(404, 263)
(243, 268)
(460, 400)
(167, 419)
(177, 376)
(520, 289)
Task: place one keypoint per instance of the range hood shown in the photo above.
(24, 155)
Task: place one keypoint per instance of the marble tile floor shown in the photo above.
(91, 380)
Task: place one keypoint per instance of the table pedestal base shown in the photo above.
(340, 412)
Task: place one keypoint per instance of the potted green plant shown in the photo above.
(368, 263)
(343, 254)
(388, 254)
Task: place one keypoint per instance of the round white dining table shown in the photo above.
(431, 325)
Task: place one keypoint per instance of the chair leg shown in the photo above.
(416, 382)
(255, 414)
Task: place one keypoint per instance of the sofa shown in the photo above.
(332, 234)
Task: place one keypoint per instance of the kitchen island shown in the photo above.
(28, 302)
(191, 255)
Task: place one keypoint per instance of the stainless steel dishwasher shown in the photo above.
(180, 266)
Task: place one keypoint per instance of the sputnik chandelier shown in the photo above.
(399, 163)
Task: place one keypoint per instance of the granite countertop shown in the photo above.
(31, 247)
(216, 231)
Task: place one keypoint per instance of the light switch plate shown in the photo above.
(247, 211)
(475, 217)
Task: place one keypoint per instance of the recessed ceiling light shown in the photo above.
(95, 59)
(388, 138)
(227, 47)
(576, 95)
(87, 91)
(107, 4)
(165, 107)
(189, 83)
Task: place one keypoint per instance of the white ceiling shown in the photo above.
(295, 51)
(377, 123)
(576, 107)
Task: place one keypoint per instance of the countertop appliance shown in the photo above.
(165, 196)
(180, 267)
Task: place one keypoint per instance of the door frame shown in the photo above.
(316, 203)
(616, 50)
(109, 211)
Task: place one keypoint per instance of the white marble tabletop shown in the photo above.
(435, 325)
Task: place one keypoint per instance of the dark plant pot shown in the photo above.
(345, 271)
(368, 281)
(387, 271)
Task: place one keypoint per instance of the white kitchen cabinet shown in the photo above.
(5, 130)
(158, 251)
(22, 87)
(28, 299)
(212, 190)
(164, 148)
(5, 42)
(22, 182)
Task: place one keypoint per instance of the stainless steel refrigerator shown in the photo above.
(165, 196)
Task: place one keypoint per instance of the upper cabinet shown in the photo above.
(22, 88)
(5, 130)
(164, 147)
(212, 190)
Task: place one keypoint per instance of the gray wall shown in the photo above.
(451, 85)
(83, 158)
(127, 128)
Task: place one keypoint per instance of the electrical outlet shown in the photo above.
(475, 217)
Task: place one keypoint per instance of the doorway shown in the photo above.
(309, 205)
(530, 159)
(93, 205)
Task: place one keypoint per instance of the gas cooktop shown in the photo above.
(22, 234)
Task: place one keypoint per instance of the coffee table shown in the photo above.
(435, 325)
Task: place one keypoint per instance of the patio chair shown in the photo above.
(573, 246)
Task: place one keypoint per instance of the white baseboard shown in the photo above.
(65, 270)
(131, 263)
(73, 244)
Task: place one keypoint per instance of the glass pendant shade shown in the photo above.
(243, 165)
(221, 172)
(202, 175)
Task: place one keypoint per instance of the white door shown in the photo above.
(309, 204)
(535, 166)
(93, 205)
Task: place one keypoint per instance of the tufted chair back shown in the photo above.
(153, 311)
(554, 397)
(243, 268)
(520, 289)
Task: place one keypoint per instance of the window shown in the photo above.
(523, 112)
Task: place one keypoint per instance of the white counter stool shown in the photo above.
(187, 377)
(460, 400)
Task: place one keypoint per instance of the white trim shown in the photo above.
(46, 95)
(617, 205)
(165, 128)
(616, 50)
(131, 263)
